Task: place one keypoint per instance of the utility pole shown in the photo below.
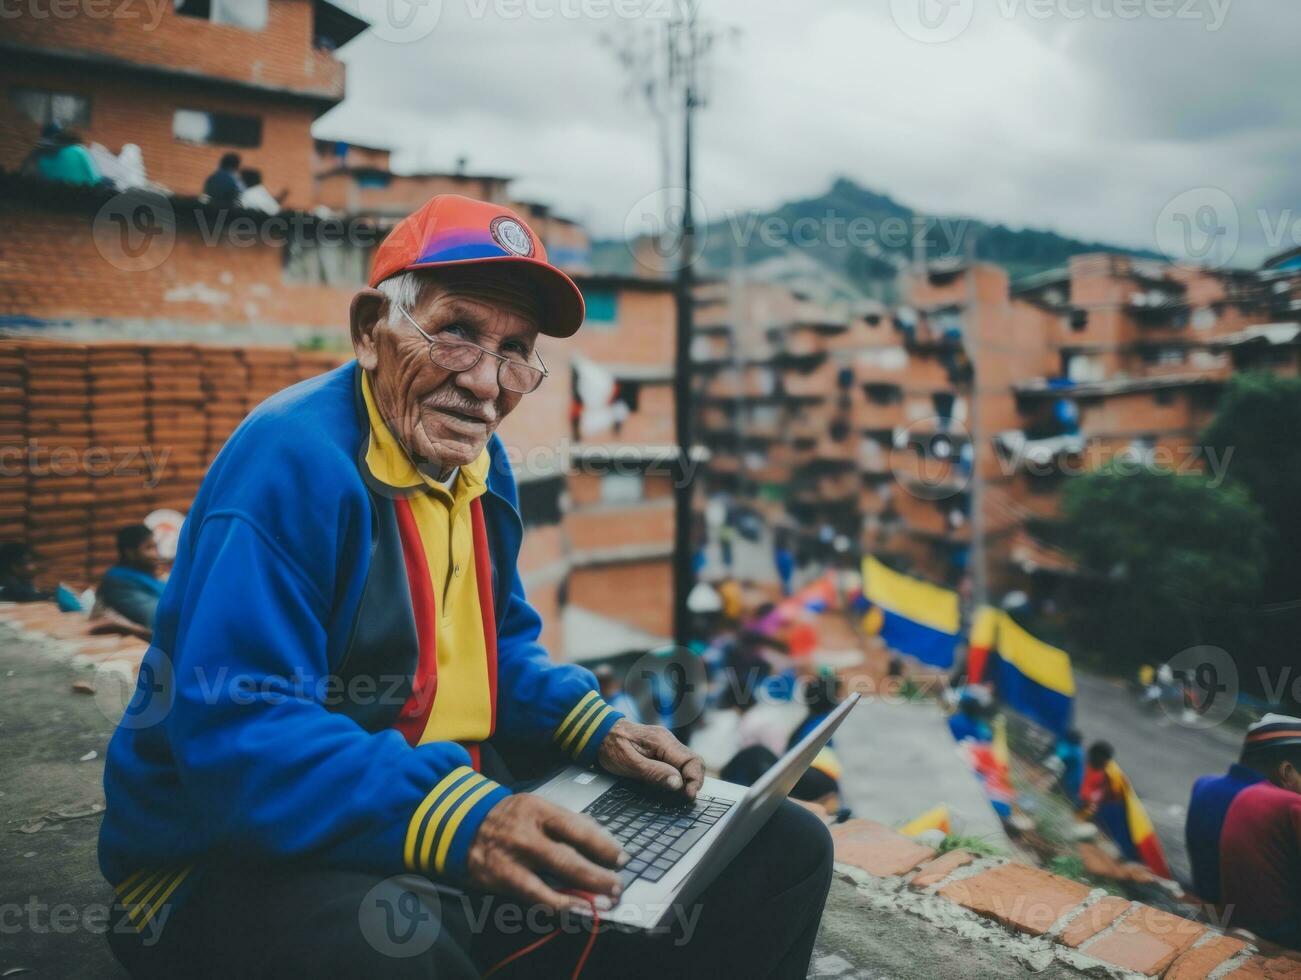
(973, 340)
(687, 43)
(685, 56)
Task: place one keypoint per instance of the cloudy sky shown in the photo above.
(1138, 122)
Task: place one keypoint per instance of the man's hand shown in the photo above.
(524, 837)
(653, 755)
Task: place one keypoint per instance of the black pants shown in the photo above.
(759, 918)
(750, 763)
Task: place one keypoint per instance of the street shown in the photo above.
(1161, 757)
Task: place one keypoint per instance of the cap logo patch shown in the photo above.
(510, 235)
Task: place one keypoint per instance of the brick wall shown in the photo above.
(280, 56)
(640, 593)
(127, 109)
(98, 435)
(51, 267)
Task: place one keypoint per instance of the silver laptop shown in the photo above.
(678, 848)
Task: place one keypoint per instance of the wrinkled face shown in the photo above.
(444, 418)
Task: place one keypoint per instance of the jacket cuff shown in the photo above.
(584, 729)
(439, 834)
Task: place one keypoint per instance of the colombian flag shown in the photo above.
(1124, 818)
(1032, 678)
(917, 618)
(981, 643)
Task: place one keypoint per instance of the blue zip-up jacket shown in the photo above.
(284, 648)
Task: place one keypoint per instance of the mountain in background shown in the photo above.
(864, 238)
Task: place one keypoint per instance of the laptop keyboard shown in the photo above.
(655, 831)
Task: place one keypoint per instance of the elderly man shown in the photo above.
(315, 774)
(1260, 845)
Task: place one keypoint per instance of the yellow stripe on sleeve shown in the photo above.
(431, 828)
(139, 906)
(153, 876)
(413, 828)
(593, 709)
(592, 726)
(447, 834)
(162, 899)
(573, 715)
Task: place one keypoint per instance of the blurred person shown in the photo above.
(1260, 845)
(132, 587)
(61, 157)
(18, 571)
(255, 196)
(784, 560)
(968, 722)
(223, 186)
(1069, 753)
(362, 527)
(1109, 800)
(1209, 805)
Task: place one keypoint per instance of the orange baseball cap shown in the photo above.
(451, 230)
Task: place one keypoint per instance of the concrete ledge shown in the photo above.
(1040, 919)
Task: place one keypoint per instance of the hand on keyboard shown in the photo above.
(526, 839)
(652, 755)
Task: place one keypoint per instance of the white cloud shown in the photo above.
(1087, 126)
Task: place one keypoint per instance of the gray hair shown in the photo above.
(404, 290)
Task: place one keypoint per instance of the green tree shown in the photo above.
(1258, 430)
(1170, 562)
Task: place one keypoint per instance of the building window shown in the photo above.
(42, 107)
(1165, 396)
(1079, 320)
(602, 308)
(622, 488)
(216, 128)
(248, 14)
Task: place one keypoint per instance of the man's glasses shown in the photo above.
(514, 373)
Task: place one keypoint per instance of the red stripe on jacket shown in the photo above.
(414, 716)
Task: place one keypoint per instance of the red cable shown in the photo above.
(538, 943)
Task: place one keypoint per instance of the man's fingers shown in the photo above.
(585, 835)
(658, 774)
(527, 886)
(575, 871)
(694, 773)
(681, 758)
